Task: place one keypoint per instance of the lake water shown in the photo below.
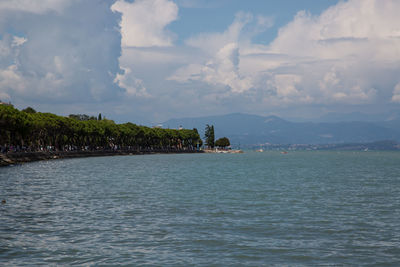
(251, 209)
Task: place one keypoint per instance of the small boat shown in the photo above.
(260, 150)
(284, 152)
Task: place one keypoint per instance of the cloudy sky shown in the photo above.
(147, 61)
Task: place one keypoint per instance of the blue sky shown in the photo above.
(147, 61)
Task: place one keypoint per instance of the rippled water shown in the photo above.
(252, 209)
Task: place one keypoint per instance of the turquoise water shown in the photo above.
(252, 209)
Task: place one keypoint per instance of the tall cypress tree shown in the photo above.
(212, 137)
(209, 136)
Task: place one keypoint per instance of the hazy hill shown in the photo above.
(253, 129)
(356, 116)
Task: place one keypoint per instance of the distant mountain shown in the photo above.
(393, 115)
(358, 116)
(248, 129)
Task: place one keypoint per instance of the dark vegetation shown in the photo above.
(222, 142)
(209, 136)
(28, 130)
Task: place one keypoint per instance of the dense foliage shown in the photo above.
(36, 131)
(223, 142)
(209, 136)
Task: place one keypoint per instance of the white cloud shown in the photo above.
(222, 70)
(143, 22)
(59, 56)
(14, 82)
(222, 51)
(17, 41)
(11, 79)
(337, 51)
(396, 93)
(339, 56)
(347, 29)
(133, 86)
(211, 43)
(265, 22)
(144, 35)
(191, 72)
(65, 51)
(285, 85)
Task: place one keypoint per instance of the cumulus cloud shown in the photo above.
(65, 51)
(143, 22)
(339, 56)
(11, 79)
(396, 93)
(213, 42)
(57, 51)
(220, 70)
(222, 51)
(337, 51)
(134, 86)
(143, 30)
(285, 86)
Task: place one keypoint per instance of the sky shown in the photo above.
(147, 61)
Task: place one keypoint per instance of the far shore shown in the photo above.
(224, 151)
(12, 158)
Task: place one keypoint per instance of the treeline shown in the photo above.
(36, 131)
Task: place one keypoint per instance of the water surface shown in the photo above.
(252, 209)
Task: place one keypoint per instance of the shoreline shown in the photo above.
(25, 157)
(224, 151)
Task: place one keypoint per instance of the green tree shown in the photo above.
(197, 142)
(209, 136)
(29, 110)
(222, 142)
(79, 131)
(82, 117)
